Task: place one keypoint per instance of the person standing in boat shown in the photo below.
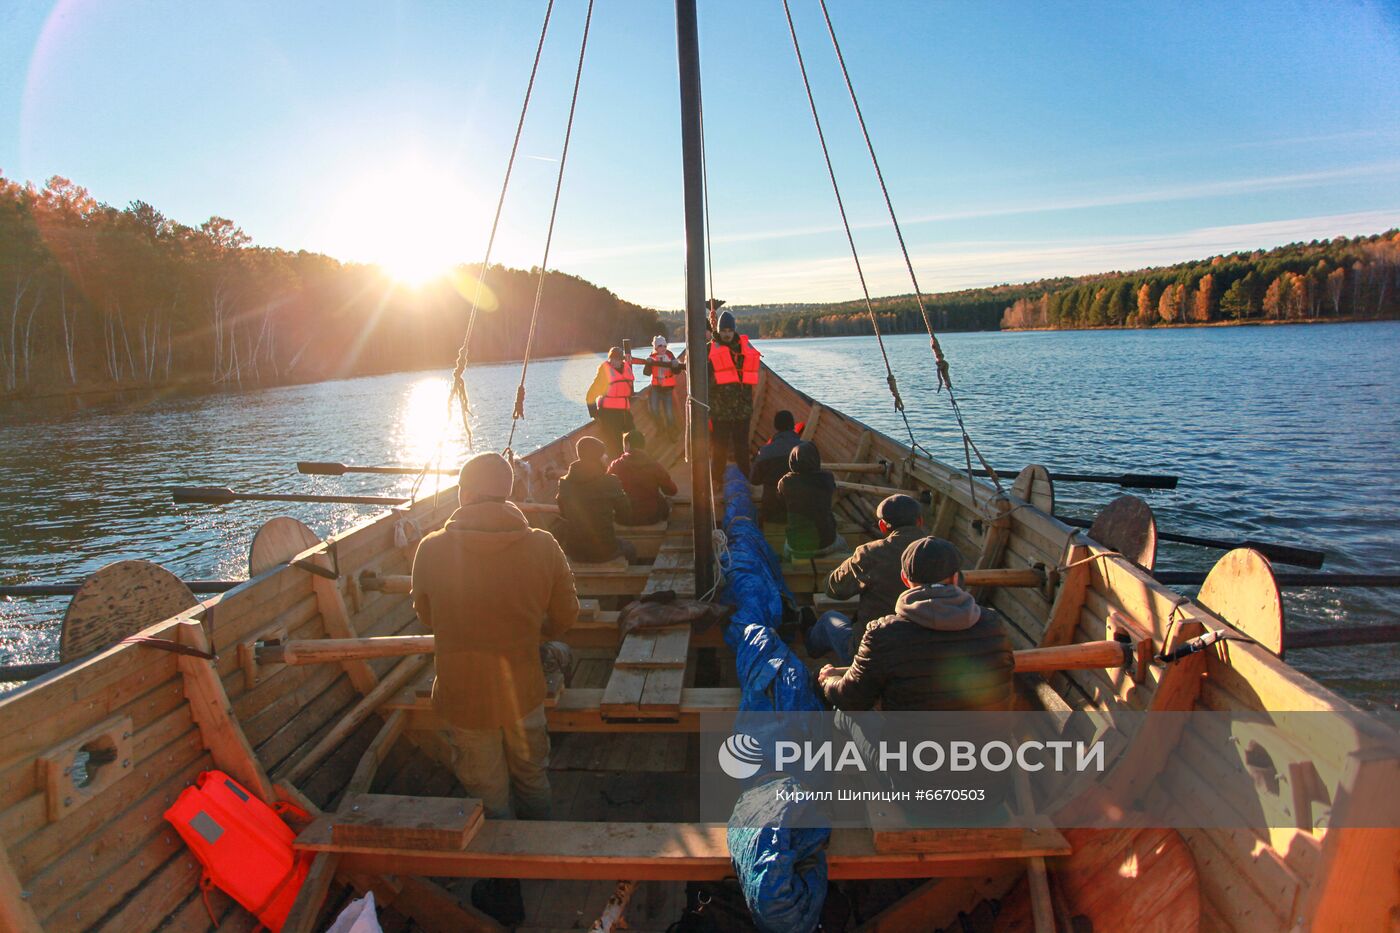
(808, 492)
(590, 504)
(734, 365)
(489, 691)
(610, 399)
(938, 650)
(662, 367)
(873, 573)
(645, 481)
(771, 463)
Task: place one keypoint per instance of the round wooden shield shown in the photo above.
(1126, 525)
(120, 600)
(1241, 590)
(1033, 485)
(278, 541)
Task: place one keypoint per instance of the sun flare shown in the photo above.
(410, 221)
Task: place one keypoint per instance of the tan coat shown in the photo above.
(491, 588)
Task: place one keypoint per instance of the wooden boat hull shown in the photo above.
(100, 855)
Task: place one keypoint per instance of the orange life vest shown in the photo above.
(662, 376)
(722, 361)
(619, 394)
(244, 846)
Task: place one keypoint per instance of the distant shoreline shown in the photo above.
(98, 393)
(1254, 322)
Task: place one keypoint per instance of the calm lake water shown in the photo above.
(1278, 433)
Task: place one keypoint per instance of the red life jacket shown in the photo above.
(722, 361)
(619, 394)
(661, 376)
(244, 846)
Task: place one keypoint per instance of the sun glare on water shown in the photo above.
(409, 221)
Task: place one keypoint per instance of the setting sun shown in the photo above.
(409, 220)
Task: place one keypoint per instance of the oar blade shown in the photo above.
(1147, 481)
(320, 468)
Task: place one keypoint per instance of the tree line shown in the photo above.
(972, 309)
(1357, 277)
(98, 297)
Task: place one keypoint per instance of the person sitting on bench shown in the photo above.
(808, 492)
(589, 502)
(873, 574)
(938, 650)
(645, 481)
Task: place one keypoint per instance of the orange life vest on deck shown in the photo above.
(662, 376)
(619, 394)
(244, 846)
(722, 361)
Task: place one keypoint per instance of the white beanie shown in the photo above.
(658, 341)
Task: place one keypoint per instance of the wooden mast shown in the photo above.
(688, 60)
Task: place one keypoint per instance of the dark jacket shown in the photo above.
(769, 465)
(589, 502)
(644, 480)
(807, 491)
(872, 572)
(938, 651)
(487, 634)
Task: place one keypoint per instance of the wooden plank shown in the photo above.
(374, 755)
(1358, 880)
(655, 648)
(623, 695)
(662, 693)
(607, 851)
(209, 705)
(306, 909)
(405, 671)
(434, 908)
(994, 543)
(391, 821)
(15, 912)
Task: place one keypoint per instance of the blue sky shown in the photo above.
(1020, 139)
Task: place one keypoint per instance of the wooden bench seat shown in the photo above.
(658, 852)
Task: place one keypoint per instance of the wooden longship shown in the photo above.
(86, 847)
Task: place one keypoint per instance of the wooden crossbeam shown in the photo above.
(606, 851)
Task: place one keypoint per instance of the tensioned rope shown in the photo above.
(458, 385)
(519, 411)
(850, 238)
(944, 376)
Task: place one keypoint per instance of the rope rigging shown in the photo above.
(519, 411)
(459, 386)
(941, 363)
(850, 238)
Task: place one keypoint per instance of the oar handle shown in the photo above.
(216, 495)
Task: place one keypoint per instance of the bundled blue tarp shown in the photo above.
(782, 869)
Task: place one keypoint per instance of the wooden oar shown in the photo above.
(327, 468)
(1197, 577)
(220, 495)
(1334, 637)
(1283, 553)
(1126, 480)
(68, 589)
